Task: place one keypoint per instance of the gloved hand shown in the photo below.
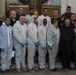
(50, 46)
(37, 43)
(22, 44)
(2, 49)
(26, 42)
(43, 47)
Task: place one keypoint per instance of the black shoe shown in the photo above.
(54, 70)
(74, 68)
(8, 70)
(4, 71)
(43, 69)
(70, 68)
(31, 70)
(63, 68)
(35, 68)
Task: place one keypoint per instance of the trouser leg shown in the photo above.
(3, 60)
(75, 58)
(31, 54)
(63, 55)
(9, 57)
(23, 53)
(18, 55)
(52, 56)
(69, 53)
(41, 57)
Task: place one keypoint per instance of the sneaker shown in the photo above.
(4, 71)
(8, 70)
(63, 68)
(42, 69)
(70, 68)
(18, 70)
(31, 70)
(24, 69)
(74, 68)
(54, 70)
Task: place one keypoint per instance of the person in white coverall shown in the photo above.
(33, 43)
(6, 45)
(42, 44)
(20, 42)
(53, 36)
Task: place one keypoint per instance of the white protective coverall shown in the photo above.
(40, 20)
(53, 36)
(20, 35)
(7, 44)
(42, 42)
(32, 39)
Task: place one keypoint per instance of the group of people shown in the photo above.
(29, 33)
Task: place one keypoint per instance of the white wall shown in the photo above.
(72, 3)
(65, 3)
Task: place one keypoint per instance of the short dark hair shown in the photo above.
(21, 15)
(45, 9)
(6, 18)
(67, 19)
(73, 14)
(54, 20)
(30, 9)
(68, 6)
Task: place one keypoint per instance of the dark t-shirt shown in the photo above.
(18, 15)
(67, 33)
(58, 19)
(66, 15)
(12, 22)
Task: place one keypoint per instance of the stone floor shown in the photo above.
(39, 72)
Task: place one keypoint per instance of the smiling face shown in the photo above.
(22, 19)
(55, 14)
(56, 24)
(73, 17)
(21, 10)
(13, 14)
(31, 11)
(45, 12)
(67, 22)
(68, 9)
(35, 20)
(7, 21)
